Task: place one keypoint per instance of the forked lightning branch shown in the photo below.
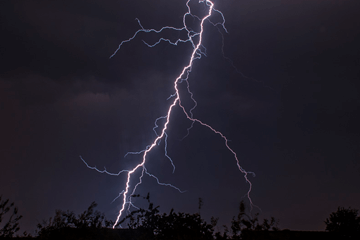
(193, 39)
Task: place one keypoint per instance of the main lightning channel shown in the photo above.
(183, 76)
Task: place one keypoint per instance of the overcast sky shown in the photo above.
(288, 101)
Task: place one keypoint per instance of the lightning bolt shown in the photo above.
(198, 51)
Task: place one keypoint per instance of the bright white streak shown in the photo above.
(196, 54)
(169, 110)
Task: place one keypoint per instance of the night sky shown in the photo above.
(289, 104)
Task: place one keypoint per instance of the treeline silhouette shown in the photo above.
(150, 224)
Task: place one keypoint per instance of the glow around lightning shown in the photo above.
(198, 51)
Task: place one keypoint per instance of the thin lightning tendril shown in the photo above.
(198, 50)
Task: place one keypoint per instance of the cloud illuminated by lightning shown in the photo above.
(198, 51)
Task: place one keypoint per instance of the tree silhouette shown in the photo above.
(153, 225)
(244, 225)
(62, 224)
(11, 226)
(149, 224)
(344, 221)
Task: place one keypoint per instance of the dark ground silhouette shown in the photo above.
(151, 224)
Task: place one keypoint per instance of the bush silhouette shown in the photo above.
(244, 225)
(149, 224)
(153, 225)
(11, 223)
(344, 221)
(87, 224)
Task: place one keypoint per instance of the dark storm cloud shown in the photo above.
(276, 32)
(58, 38)
(293, 120)
(310, 51)
(49, 39)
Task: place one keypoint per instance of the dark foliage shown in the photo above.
(62, 225)
(345, 222)
(149, 224)
(169, 226)
(11, 223)
(244, 226)
(192, 226)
